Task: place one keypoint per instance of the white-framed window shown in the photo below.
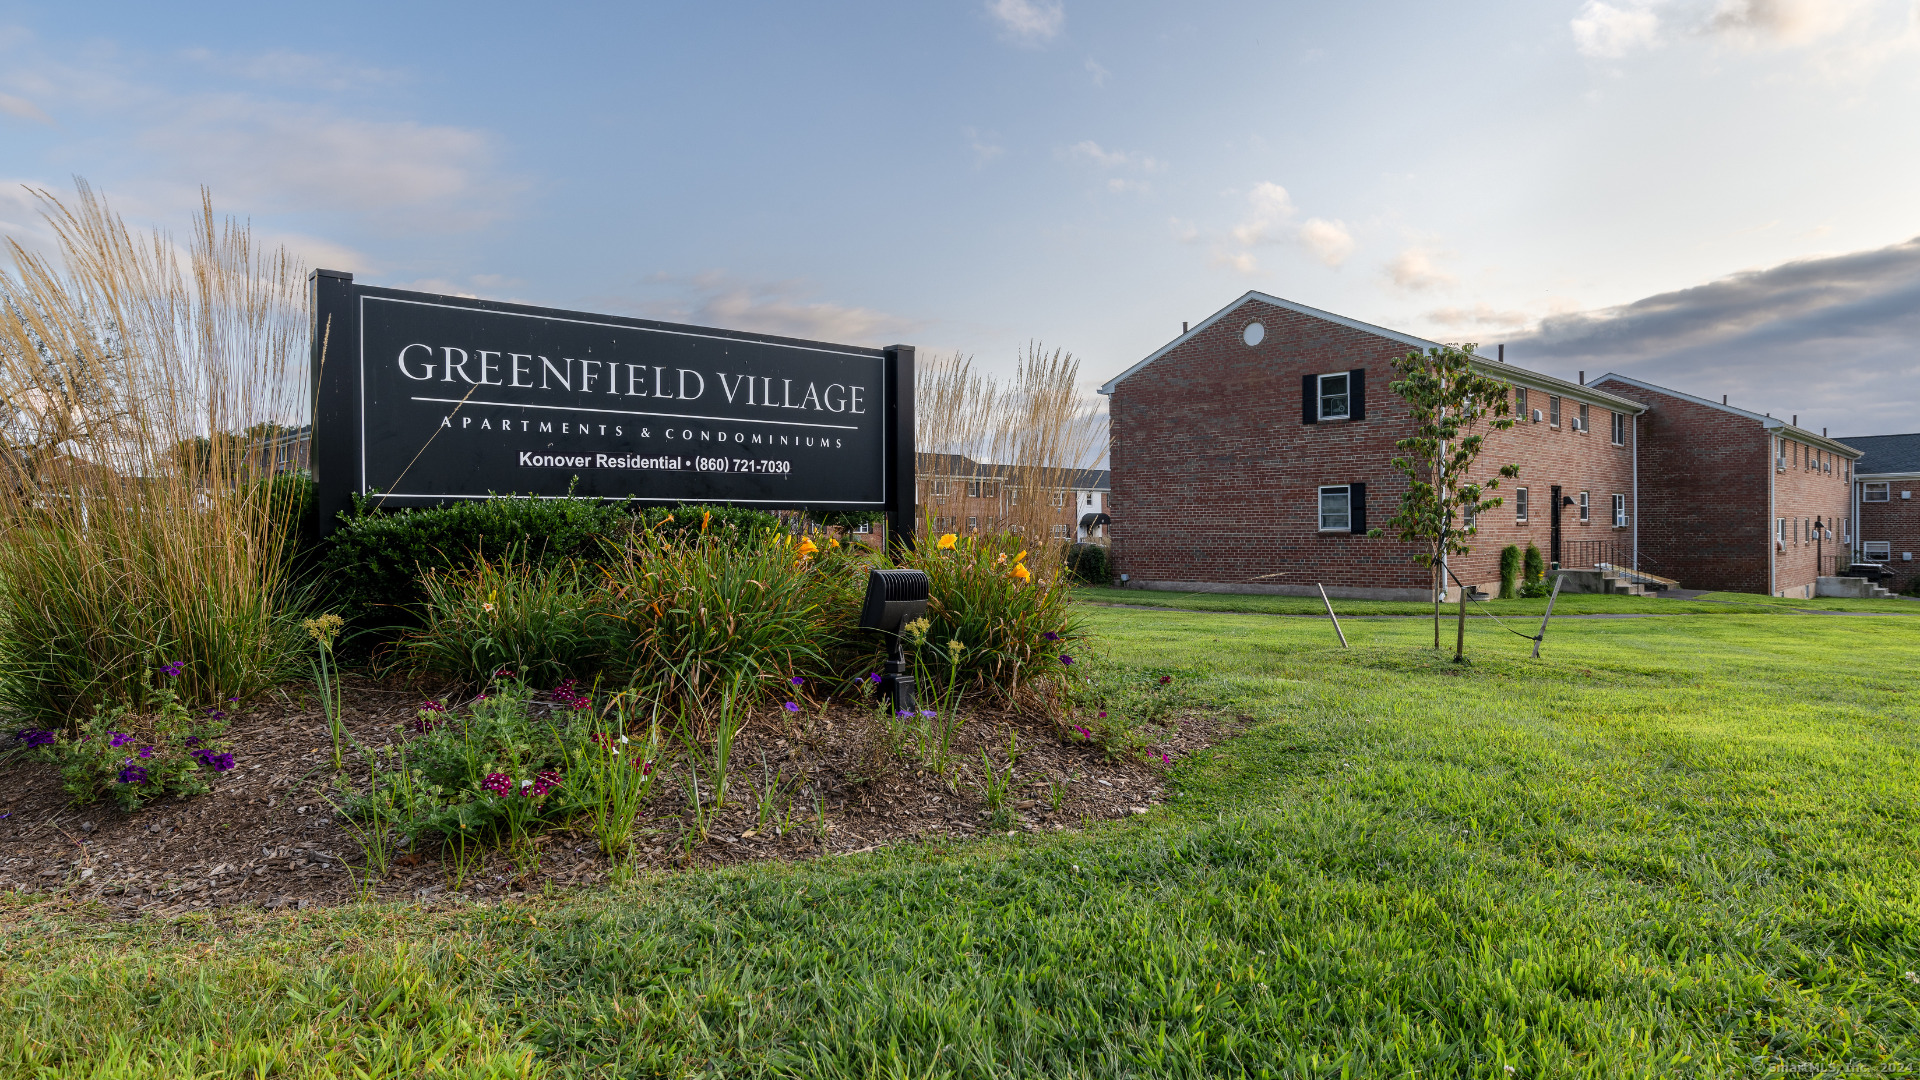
(1062, 532)
(1553, 410)
(1583, 418)
(1877, 550)
(973, 489)
(1619, 429)
(1089, 498)
(1336, 509)
(1780, 531)
(973, 524)
(1468, 519)
(1876, 491)
(865, 528)
(1059, 499)
(1586, 509)
(1520, 504)
(941, 489)
(1013, 496)
(1619, 510)
(1520, 402)
(1335, 400)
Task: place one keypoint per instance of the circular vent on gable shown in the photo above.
(1254, 334)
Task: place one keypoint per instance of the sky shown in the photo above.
(1716, 195)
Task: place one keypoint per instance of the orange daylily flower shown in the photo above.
(807, 546)
(947, 541)
(1020, 571)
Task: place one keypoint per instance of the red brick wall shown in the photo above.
(1896, 521)
(1804, 491)
(1704, 479)
(1216, 479)
(1703, 482)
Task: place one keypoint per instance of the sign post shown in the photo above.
(421, 399)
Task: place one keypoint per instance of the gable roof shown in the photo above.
(1508, 373)
(962, 467)
(1770, 423)
(1886, 454)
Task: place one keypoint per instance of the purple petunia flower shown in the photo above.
(1103, 716)
(928, 713)
(133, 774)
(797, 680)
(906, 714)
(145, 752)
(193, 740)
(1051, 636)
(792, 706)
(118, 739)
(173, 670)
(1065, 659)
(874, 678)
(35, 737)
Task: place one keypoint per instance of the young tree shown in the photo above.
(1450, 404)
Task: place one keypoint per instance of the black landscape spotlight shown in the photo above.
(894, 599)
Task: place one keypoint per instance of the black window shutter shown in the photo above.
(1309, 399)
(1357, 394)
(1357, 508)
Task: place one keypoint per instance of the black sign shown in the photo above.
(421, 399)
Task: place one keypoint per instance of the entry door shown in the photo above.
(1554, 517)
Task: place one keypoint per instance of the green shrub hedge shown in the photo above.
(1089, 564)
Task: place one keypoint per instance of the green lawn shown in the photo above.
(1673, 847)
(1568, 604)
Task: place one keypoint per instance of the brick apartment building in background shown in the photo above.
(1738, 500)
(1253, 453)
(970, 497)
(1886, 503)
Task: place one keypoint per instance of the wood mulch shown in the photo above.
(267, 836)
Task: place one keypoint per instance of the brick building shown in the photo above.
(1252, 453)
(1738, 500)
(1885, 480)
(964, 496)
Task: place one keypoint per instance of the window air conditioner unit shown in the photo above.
(1536, 416)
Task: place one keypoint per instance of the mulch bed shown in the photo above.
(266, 835)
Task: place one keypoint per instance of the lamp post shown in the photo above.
(1819, 538)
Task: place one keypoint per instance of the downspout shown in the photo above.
(1773, 522)
(1636, 494)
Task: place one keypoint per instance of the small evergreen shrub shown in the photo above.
(376, 562)
(1535, 567)
(1089, 564)
(1509, 571)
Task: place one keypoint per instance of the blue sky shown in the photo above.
(1716, 194)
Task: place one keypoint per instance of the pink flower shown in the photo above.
(499, 783)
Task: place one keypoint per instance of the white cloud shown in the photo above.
(282, 156)
(1272, 209)
(1785, 22)
(1098, 73)
(984, 145)
(22, 108)
(1121, 185)
(1415, 270)
(774, 307)
(1329, 241)
(1480, 316)
(1607, 32)
(1270, 221)
(1089, 150)
(284, 67)
(1030, 22)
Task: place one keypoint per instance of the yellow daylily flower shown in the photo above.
(807, 546)
(947, 541)
(1021, 556)
(704, 518)
(831, 542)
(1020, 571)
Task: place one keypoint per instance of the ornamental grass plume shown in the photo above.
(149, 387)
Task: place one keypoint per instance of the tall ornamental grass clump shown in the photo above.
(144, 384)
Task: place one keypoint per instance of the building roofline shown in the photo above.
(1769, 422)
(1493, 368)
(1895, 474)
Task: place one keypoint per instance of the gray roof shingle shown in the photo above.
(1886, 453)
